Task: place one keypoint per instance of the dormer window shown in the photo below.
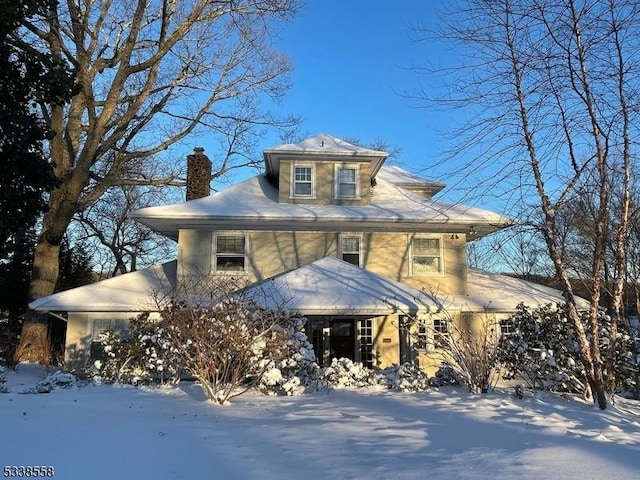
(347, 181)
(302, 180)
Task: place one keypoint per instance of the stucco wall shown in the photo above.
(324, 183)
(271, 253)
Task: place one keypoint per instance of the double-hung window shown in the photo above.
(231, 253)
(350, 249)
(426, 256)
(302, 181)
(347, 182)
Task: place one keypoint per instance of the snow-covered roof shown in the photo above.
(407, 180)
(330, 286)
(319, 147)
(327, 286)
(131, 292)
(253, 204)
(493, 292)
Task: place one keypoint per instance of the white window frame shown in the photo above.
(347, 166)
(294, 181)
(341, 251)
(412, 269)
(245, 255)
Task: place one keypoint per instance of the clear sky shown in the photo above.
(352, 77)
(352, 73)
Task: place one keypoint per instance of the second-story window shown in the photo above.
(427, 256)
(347, 182)
(350, 249)
(231, 253)
(302, 181)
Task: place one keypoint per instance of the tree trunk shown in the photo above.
(34, 342)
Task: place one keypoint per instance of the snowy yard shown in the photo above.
(106, 432)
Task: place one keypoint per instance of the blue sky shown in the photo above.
(351, 61)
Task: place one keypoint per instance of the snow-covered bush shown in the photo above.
(345, 373)
(142, 356)
(296, 373)
(52, 381)
(407, 378)
(445, 375)
(230, 346)
(542, 350)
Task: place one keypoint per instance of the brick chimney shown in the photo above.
(198, 174)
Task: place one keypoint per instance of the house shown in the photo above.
(328, 231)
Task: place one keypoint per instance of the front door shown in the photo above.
(342, 339)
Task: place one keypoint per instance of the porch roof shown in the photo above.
(131, 292)
(330, 286)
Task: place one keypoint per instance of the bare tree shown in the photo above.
(551, 87)
(149, 73)
(121, 244)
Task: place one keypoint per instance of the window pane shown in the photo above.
(226, 263)
(228, 244)
(426, 246)
(302, 174)
(347, 175)
(302, 189)
(351, 244)
(352, 258)
(426, 264)
(347, 190)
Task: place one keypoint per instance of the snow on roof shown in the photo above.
(501, 293)
(320, 147)
(254, 203)
(323, 144)
(330, 286)
(130, 292)
(402, 178)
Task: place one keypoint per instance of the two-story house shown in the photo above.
(327, 231)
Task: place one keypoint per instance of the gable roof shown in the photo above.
(320, 147)
(330, 286)
(253, 205)
(130, 292)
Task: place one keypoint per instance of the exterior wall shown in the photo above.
(271, 253)
(386, 345)
(324, 182)
(80, 335)
(78, 341)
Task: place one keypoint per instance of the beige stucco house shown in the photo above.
(327, 231)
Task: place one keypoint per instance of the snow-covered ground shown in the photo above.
(110, 432)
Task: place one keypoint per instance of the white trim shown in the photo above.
(292, 180)
(336, 181)
(341, 252)
(214, 255)
(440, 239)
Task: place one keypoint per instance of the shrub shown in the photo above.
(544, 353)
(229, 347)
(140, 357)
